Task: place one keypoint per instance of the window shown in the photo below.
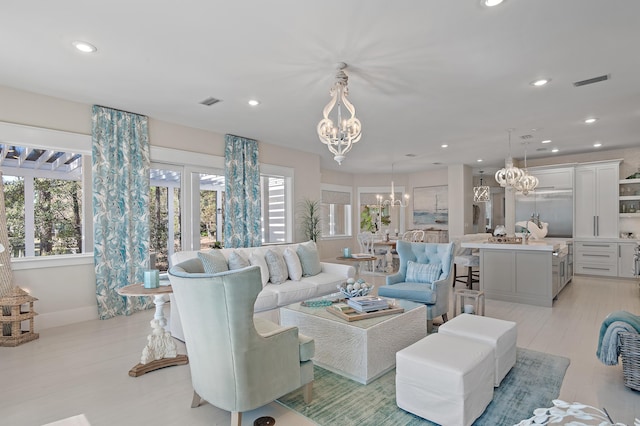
(211, 210)
(43, 200)
(335, 209)
(274, 212)
(164, 215)
(195, 183)
(376, 217)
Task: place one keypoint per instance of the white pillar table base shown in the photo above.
(161, 350)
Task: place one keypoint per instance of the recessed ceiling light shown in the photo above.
(555, 150)
(597, 145)
(546, 141)
(590, 120)
(491, 3)
(479, 160)
(444, 145)
(254, 102)
(540, 82)
(84, 47)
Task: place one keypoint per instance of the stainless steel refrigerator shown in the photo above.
(554, 206)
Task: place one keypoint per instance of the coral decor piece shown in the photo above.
(571, 414)
(159, 344)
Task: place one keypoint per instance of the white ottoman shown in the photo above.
(500, 334)
(445, 379)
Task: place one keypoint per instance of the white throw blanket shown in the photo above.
(609, 349)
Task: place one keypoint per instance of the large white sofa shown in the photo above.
(272, 296)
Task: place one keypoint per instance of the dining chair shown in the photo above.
(365, 240)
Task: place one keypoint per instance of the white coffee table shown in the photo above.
(360, 350)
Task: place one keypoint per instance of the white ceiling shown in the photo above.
(421, 72)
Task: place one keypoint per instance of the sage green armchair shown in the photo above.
(238, 362)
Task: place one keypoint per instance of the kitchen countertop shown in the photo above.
(547, 244)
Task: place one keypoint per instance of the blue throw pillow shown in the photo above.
(423, 272)
(309, 259)
(213, 262)
(278, 272)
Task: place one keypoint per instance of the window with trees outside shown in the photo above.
(43, 200)
(187, 207)
(47, 183)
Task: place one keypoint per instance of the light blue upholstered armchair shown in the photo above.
(238, 362)
(424, 277)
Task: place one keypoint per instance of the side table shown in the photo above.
(356, 262)
(474, 298)
(161, 350)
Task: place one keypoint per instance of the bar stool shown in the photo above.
(471, 276)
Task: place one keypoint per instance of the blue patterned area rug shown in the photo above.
(533, 382)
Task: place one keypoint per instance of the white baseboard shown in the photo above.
(70, 316)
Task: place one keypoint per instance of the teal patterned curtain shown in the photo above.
(120, 149)
(242, 193)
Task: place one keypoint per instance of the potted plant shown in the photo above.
(310, 219)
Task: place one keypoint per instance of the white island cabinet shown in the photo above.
(520, 273)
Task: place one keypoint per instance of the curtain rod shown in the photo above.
(121, 110)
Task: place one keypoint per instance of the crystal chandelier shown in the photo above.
(481, 193)
(527, 183)
(341, 134)
(509, 175)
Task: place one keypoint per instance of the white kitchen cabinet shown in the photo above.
(559, 272)
(596, 258)
(596, 200)
(553, 178)
(625, 259)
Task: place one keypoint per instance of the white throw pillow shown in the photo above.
(237, 261)
(258, 260)
(293, 264)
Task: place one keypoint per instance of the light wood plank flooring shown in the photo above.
(82, 368)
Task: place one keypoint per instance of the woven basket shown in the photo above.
(630, 353)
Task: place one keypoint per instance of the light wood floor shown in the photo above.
(82, 368)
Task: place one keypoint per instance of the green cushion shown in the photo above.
(309, 259)
(422, 272)
(213, 262)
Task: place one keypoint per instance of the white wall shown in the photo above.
(67, 293)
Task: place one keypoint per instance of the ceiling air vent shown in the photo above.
(210, 101)
(592, 80)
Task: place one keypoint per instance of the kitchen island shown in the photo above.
(532, 273)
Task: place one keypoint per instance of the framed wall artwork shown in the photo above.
(430, 206)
